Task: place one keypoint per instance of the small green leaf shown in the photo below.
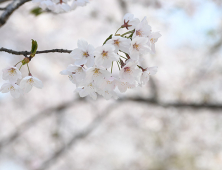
(110, 37)
(36, 11)
(34, 48)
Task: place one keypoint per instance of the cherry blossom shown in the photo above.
(77, 3)
(138, 47)
(84, 54)
(13, 88)
(142, 29)
(123, 86)
(59, 6)
(12, 74)
(153, 37)
(130, 22)
(120, 43)
(28, 82)
(146, 73)
(75, 73)
(105, 55)
(130, 72)
(96, 75)
(89, 89)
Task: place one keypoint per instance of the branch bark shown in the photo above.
(38, 52)
(10, 9)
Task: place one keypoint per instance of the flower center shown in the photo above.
(96, 71)
(153, 40)
(139, 33)
(30, 81)
(116, 42)
(127, 69)
(104, 54)
(12, 88)
(12, 71)
(136, 46)
(86, 54)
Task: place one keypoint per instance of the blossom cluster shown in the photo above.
(13, 76)
(59, 6)
(89, 72)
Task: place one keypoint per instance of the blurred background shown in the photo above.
(173, 123)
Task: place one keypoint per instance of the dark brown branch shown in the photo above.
(81, 135)
(10, 9)
(2, 8)
(38, 52)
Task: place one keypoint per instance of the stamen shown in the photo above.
(136, 46)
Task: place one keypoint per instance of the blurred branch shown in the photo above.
(37, 52)
(31, 121)
(176, 104)
(2, 8)
(123, 6)
(10, 9)
(81, 135)
(1, 1)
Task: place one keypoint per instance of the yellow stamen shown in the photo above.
(136, 46)
(104, 54)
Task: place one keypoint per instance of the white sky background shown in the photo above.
(187, 72)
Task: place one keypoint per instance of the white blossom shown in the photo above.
(75, 73)
(142, 29)
(146, 73)
(13, 88)
(77, 3)
(130, 72)
(89, 89)
(153, 37)
(130, 22)
(108, 83)
(123, 86)
(28, 82)
(138, 47)
(96, 75)
(84, 54)
(105, 55)
(59, 6)
(108, 94)
(120, 43)
(12, 74)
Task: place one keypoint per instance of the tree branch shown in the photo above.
(81, 135)
(37, 52)
(176, 104)
(31, 121)
(2, 8)
(10, 9)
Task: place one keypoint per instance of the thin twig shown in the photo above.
(10, 9)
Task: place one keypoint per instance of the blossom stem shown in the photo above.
(127, 33)
(18, 63)
(28, 68)
(123, 57)
(118, 30)
(118, 64)
(112, 67)
(20, 67)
